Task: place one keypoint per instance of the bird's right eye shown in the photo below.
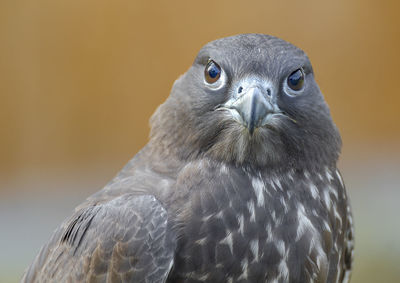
(212, 72)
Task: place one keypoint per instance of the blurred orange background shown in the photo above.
(79, 81)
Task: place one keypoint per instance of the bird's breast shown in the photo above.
(252, 228)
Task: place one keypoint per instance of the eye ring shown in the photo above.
(295, 80)
(212, 72)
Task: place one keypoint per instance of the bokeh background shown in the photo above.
(80, 79)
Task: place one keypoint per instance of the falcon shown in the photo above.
(238, 183)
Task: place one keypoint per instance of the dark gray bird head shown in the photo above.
(250, 100)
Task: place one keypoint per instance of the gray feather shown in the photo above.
(125, 239)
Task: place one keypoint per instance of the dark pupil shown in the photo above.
(213, 72)
(295, 78)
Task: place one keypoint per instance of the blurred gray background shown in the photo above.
(80, 79)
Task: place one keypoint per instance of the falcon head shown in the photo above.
(249, 100)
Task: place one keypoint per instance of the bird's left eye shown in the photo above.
(212, 72)
(296, 80)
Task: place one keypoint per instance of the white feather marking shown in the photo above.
(206, 218)
(258, 186)
(252, 211)
(204, 277)
(284, 204)
(254, 249)
(327, 198)
(333, 191)
(306, 174)
(304, 223)
(273, 215)
(171, 263)
(268, 228)
(219, 215)
(337, 215)
(283, 270)
(328, 174)
(340, 178)
(241, 223)
(315, 213)
(272, 184)
(290, 175)
(202, 241)
(244, 265)
(280, 246)
(224, 169)
(335, 247)
(326, 226)
(228, 240)
(346, 277)
(278, 183)
(338, 267)
(314, 191)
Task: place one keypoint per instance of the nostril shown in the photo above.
(240, 89)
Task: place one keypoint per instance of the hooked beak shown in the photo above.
(252, 107)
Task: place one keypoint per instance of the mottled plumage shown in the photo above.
(238, 183)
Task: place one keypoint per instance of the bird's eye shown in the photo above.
(212, 72)
(296, 80)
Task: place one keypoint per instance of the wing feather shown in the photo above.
(125, 239)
